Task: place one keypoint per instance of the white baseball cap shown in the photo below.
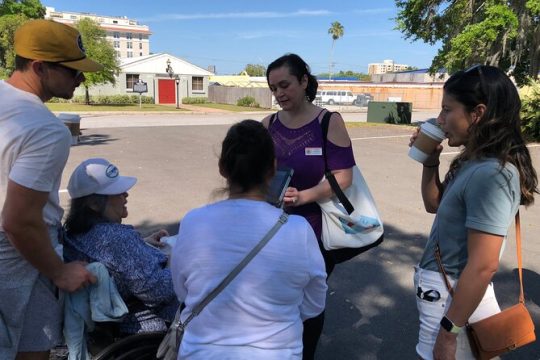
(98, 176)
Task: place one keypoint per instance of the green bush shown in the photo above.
(530, 111)
(195, 100)
(107, 100)
(248, 101)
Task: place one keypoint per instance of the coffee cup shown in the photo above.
(73, 123)
(429, 137)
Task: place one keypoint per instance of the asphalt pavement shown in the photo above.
(371, 310)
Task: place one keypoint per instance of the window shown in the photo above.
(118, 54)
(73, 17)
(115, 21)
(140, 45)
(131, 79)
(140, 54)
(129, 36)
(129, 45)
(116, 35)
(116, 44)
(197, 83)
(130, 54)
(140, 36)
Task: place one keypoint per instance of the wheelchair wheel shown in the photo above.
(134, 347)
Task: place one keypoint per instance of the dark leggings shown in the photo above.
(313, 327)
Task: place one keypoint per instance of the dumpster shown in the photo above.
(389, 112)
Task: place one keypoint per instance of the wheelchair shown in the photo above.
(106, 343)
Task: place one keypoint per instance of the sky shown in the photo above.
(230, 34)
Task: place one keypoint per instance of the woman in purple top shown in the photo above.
(297, 136)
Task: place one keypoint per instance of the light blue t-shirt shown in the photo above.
(482, 196)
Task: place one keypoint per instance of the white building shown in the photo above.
(385, 67)
(168, 78)
(128, 38)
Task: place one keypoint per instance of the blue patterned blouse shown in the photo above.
(139, 271)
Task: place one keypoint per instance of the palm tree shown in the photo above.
(336, 30)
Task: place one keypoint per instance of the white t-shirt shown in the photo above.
(259, 314)
(34, 147)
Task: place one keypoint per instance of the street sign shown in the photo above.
(140, 87)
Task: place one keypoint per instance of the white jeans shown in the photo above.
(430, 285)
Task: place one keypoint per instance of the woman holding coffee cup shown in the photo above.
(475, 205)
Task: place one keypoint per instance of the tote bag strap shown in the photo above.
(520, 262)
(197, 309)
(325, 123)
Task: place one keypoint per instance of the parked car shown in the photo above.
(331, 97)
(362, 99)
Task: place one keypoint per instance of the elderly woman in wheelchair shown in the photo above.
(95, 233)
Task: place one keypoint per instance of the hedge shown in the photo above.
(107, 100)
(248, 101)
(530, 111)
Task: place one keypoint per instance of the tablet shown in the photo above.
(278, 186)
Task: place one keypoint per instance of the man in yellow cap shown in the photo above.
(34, 147)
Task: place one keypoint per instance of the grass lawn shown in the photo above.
(229, 107)
(130, 107)
(70, 107)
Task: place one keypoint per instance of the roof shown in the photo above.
(242, 80)
(157, 64)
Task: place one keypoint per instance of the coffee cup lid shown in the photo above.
(433, 131)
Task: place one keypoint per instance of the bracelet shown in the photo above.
(432, 166)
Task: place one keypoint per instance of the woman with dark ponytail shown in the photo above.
(298, 139)
(475, 205)
(259, 314)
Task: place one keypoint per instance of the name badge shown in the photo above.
(313, 151)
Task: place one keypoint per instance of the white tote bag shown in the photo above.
(362, 228)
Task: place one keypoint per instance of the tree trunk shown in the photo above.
(86, 96)
(331, 59)
(535, 53)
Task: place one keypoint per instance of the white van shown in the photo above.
(331, 97)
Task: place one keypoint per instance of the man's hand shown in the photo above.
(73, 276)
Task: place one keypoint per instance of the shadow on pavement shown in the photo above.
(370, 314)
(94, 139)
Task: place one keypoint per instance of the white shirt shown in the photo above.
(34, 147)
(259, 314)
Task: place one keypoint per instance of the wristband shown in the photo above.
(432, 166)
(449, 326)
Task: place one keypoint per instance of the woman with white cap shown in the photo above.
(95, 233)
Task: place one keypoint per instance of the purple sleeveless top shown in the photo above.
(290, 147)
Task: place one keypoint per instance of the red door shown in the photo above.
(166, 90)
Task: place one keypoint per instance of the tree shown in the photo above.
(336, 31)
(255, 70)
(493, 32)
(348, 74)
(8, 25)
(12, 15)
(98, 49)
(32, 9)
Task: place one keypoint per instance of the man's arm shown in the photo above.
(22, 221)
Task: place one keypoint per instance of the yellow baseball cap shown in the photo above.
(54, 42)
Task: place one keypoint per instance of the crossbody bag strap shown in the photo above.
(520, 263)
(325, 123)
(197, 309)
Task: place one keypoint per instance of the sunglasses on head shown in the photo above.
(478, 69)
